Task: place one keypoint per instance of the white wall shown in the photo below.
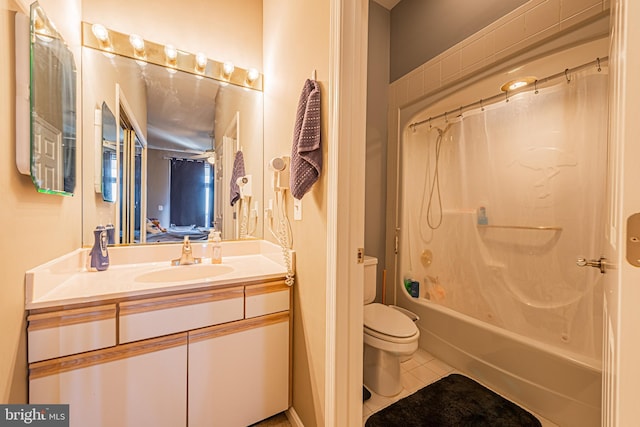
(36, 227)
(296, 42)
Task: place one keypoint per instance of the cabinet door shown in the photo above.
(239, 373)
(140, 384)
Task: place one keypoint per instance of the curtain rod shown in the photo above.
(505, 95)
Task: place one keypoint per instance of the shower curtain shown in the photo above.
(499, 203)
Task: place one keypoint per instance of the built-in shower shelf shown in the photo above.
(523, 227)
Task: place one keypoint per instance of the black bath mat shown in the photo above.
(453, 401)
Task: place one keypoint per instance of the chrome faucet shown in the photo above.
(187, 257)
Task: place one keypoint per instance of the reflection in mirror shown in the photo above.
(131, 155)
(109, 166)
(194, 128)
(53, 108)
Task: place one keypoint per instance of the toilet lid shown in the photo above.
(386, 320)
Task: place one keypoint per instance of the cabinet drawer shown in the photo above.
(153, 317)
(61, 333)
(266, 298)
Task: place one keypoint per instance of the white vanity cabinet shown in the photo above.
(217, 356)
(138, 384)
(239, 371)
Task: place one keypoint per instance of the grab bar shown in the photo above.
(522, 227)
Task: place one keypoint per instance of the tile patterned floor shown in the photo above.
(421, 370)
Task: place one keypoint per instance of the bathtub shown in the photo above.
(561, 387)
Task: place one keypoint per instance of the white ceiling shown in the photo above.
(387, 3)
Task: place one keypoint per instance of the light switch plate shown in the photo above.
(297, 209)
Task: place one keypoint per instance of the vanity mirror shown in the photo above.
(194, 127)
(46, 144)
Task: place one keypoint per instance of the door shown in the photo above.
(621, 370)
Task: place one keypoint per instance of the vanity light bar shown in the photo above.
(155, 53)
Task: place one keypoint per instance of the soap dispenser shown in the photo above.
(216, 256)
(98, 259)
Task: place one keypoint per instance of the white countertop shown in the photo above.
(65, 280)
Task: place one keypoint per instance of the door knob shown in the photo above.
(597, 263)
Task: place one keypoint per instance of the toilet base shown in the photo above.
(381, 371)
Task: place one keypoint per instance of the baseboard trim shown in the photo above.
(293, 417)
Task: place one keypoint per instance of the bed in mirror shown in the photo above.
(195, 129)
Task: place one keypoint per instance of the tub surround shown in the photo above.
(563, 390)
(65, 280)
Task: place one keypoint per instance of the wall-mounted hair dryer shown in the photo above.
(280, 167)
(245, 183)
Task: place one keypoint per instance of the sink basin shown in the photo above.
(184, 273)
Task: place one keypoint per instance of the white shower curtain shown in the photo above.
(536, 165)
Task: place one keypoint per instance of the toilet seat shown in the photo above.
(385, 323)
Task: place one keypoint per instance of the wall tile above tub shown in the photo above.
(583, 15)
(570, 8)
(415, 84)
(432, 76)
(542, 17)
(525, 26)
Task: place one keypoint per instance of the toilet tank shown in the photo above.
(370, 278)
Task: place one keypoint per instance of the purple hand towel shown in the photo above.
(306, 152)
(238, 171)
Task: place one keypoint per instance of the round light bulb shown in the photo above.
(228, 68)
(252, 75)
(170, 52)
(137, 42)
(201, 60)
(100, 32)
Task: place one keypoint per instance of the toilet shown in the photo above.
(389, 338)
